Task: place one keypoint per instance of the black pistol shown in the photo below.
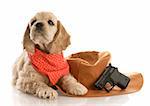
(113, 77)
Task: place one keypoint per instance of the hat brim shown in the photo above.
(135, 84)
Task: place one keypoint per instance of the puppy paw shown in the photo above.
(77, 89)
(47, 93)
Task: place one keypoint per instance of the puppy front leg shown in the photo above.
(69, 84)
(37, 88)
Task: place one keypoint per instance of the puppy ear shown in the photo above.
(27, 43)
(61, 40)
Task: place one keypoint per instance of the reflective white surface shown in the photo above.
(21, 99)
(14, 97)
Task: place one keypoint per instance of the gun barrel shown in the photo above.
(104, 78)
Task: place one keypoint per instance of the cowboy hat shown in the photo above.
(87, 66)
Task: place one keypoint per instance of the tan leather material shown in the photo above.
(135, 85)
(86, 67)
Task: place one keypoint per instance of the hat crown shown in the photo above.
(87, 67)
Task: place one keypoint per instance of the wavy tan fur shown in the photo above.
(51, 39)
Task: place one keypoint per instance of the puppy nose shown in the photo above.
(39, 25)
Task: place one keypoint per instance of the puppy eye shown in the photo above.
(50, 22)
(33, 22)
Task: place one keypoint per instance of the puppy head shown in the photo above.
(45, 31)
(43, 27)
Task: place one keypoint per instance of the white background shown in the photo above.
(121, 27)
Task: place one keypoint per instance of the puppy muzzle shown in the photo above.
(39, 26)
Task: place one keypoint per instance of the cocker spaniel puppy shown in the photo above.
(47, 34)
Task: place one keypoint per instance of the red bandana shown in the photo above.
(52, 65)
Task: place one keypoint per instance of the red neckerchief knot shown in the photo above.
(52, 65)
